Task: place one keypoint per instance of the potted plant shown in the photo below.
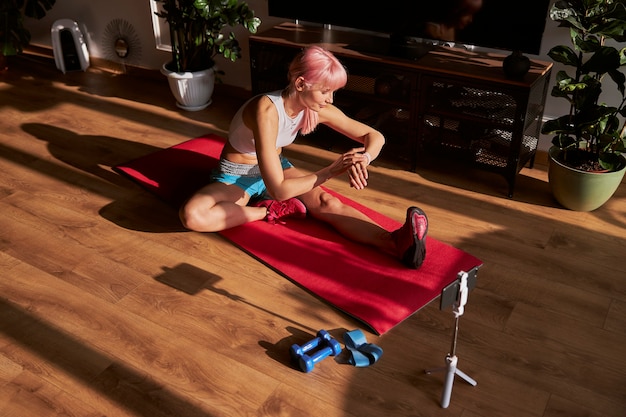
(588, 142)
(13, 35)
(197, 34)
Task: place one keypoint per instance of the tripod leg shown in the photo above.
(466, 377)
(433, 370)
(447, 387)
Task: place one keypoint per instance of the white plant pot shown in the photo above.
(192, 90)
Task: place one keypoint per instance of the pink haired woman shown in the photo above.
(253, 170)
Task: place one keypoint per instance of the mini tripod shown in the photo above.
(462, 283)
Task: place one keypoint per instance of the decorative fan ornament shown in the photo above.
(121, 43)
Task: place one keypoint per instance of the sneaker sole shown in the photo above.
(415, 258)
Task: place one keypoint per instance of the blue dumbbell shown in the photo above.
(307, 362)
(323, 337)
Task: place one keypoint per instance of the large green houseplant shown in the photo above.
(13, 34)
(201, 30)
(592, 135)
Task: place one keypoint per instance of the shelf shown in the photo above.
(447, 101)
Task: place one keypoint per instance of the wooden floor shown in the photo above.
(109, 308)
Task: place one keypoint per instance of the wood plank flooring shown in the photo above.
(109, 308)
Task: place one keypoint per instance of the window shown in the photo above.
(160, 29)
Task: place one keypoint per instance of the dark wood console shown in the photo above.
(427, 100)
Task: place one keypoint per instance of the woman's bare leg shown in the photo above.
(217, 207)
(347, 220)
(408, 243)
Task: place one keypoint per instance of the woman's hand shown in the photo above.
(345, 161)
(355, 162)
(358, 170)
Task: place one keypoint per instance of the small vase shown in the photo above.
(516, 65)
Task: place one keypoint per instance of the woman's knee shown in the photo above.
(185, 216)
(192, 218)
(326, 203)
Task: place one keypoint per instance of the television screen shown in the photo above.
(494, 24)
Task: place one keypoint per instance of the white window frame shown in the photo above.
(160, 29)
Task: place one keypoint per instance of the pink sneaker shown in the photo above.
(277, 210)
(411, 238)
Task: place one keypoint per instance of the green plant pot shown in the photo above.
(580, 190)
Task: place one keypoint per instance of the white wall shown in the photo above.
(94, 16)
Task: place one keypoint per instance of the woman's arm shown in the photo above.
(337, 120)
(372, 140)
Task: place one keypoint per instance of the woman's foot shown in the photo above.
(277, 210)
(410, 239)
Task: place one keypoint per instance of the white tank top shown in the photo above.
(242, 139)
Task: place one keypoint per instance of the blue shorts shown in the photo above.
(252, 183)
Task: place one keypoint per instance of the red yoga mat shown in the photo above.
(371, 286)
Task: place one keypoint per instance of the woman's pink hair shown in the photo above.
(318, 67)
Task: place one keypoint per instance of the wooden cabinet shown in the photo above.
(427, 100)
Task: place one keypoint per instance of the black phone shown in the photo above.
(450, 294)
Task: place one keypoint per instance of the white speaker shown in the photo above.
(69, 46)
